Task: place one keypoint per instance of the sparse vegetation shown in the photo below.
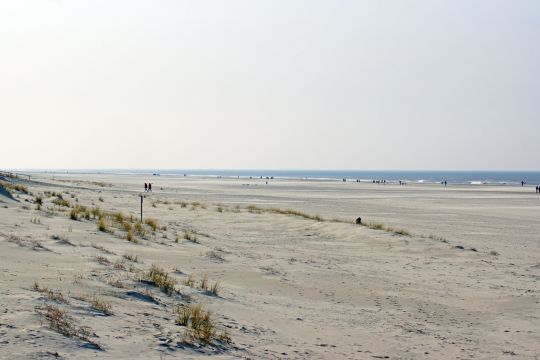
(189, 281)
(61, 202)
(102, 260)
(190, 236)
(152, 223)
(214, 289)
(102, 225)
(139, 229)
(437, 238)
(198, 321)
(131, 257)
(204, 283)
(161, 279)
(58, 320)
(51, 295)
(14, 187)
(376, 226)
(101, 305)
(401, 232)
(62, 240)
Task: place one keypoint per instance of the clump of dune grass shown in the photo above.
(14, 187)
(73, 214)
(219, 208)
(130, 237)
(198, 322)
(161, 279)
(376, 226)
(101, 248)
(58, 320)
(204, 283)
(62, 239)
(400, 232)
(152, 223)
(101, 305)
(190, 236)
(119, 218)
(214, 289)
(139, 229)
(39, 200)
(493, 253)
(61, 202)
(131, 257)
(102, 225)
(102, 260)
(35, 220)
(437, 238)
(224, 337)
(96, 213)
(100, 199)
(254, 209)
(52, 295)
(292, 212)
(120, 264)
(189, 281)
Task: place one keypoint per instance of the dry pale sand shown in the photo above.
(290, 287)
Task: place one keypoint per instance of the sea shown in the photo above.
(389, 176)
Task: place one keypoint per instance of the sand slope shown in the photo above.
(290, 287)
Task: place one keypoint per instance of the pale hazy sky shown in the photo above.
(270, 84)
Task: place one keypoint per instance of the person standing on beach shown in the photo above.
(149, 187)
(145, 187)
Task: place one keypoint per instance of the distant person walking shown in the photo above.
(522, 183)
(145, 187)
(149, 187)
(445, 183)
(538, 189)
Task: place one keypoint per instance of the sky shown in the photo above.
(410, 85)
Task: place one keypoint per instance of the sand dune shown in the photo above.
(454, 272)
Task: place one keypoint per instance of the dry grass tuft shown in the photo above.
(131, 257)
(204, 283)
(214, 289)
(437, 238)
(58, 320)
(189, 281)
(52, 295)
(198, 321)
(101, 305)
(400, 232)
(102, 260)
(161, 279)
(152, 223)
(102, 225)
(190, 236)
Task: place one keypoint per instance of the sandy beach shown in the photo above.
(433, 272)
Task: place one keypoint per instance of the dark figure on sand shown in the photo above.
(522, 183)
(538, 189)
(145, 187)
(149, 187)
